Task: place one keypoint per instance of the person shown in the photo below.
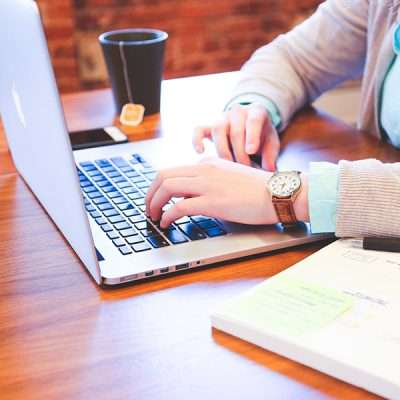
(343, 39)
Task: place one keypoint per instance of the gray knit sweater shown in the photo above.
(343, 39)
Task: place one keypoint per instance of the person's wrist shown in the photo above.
(301, 203)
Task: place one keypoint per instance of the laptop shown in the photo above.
(96, 196)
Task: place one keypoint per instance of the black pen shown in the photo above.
(382, 244)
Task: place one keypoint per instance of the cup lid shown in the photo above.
(144, 36)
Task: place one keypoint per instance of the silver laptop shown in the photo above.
(96, 196)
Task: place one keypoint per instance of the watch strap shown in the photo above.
(285, 210)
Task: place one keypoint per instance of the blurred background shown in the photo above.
(205, 36)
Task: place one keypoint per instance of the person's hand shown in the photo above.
(215, 188)
(242, 131)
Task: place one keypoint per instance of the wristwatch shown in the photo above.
(284, 186)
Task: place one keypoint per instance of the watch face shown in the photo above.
(284, 184)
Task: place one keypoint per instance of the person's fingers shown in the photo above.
(172, 187)
(219, 135)
(270, 148)
(185, 171)
(257, 117)
(200, 133)
(237, 134)
(191, 206)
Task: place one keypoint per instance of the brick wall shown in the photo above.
(59, 20)
(205, 36)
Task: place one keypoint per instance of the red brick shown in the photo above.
(205, 35)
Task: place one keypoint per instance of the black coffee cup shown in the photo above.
(135, 63)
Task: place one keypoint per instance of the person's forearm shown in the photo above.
(296, 68)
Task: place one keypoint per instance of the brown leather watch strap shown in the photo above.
(285, 211)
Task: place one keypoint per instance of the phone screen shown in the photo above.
(96, 137)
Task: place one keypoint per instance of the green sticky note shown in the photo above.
(289, 306)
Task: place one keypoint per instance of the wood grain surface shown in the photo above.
(62, 337)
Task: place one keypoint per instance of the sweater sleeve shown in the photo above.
(368, 199)
(297, 67)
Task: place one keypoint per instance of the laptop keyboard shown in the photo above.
(114, 192)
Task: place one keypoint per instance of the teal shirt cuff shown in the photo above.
(322, 196)
(249, 98)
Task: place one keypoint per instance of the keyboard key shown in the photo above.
(103, 163)
(127, 168)
(90, 207)
(128, 232)
(134, 239)
(150, 175)
(100, 200)
(140, 202)
(138, 158)
(175, 236)
(95, 214)
(98, 178)
(192, 231)
(131, 173)
(115, 219)
(138, 179)
(109, 169)
(101, 221)
(137, 218)
(148, 232)
(207, 224)
(106, 228)
(119, 179)
(113, 195)
(85, 183)
(119, 242)
(123, 185)
(108, 189)
(125, 206)
(142, 208)
(110, 213)
(112, 235)
(113, 174)
(105, 206)
(89, 189)
(131, 213)
(122, 225)
(120, 200)
(93, 173)
(199, 218)
(143, 185)
(103, 183)
(90, 169)
(125, 250)
(213, 232)
(84, 164)
(130, 190)
(119, 161)
(94, 195)
(88, 166)
(135, 196)
(143, 225)
(143, 246)
(157, 241)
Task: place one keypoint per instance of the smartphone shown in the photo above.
(97, 137)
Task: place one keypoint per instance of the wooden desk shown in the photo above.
(62, 337)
